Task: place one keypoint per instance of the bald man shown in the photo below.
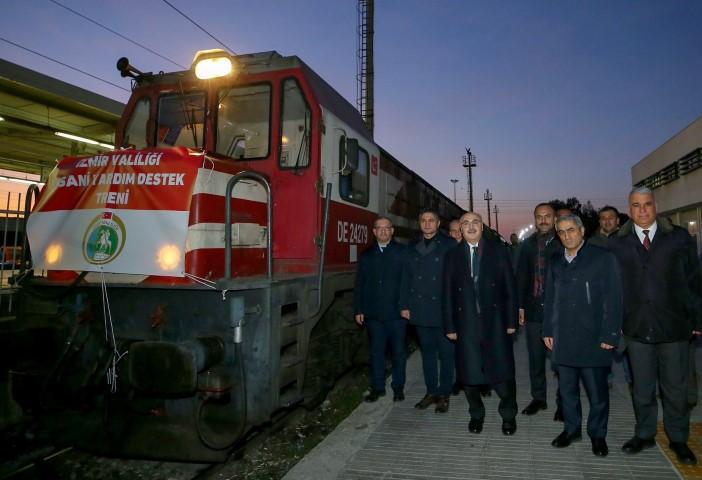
(480, 314)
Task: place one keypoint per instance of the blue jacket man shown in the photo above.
(376, 298)
(583, 312)
(421, 304)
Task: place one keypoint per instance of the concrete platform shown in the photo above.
(383, 440)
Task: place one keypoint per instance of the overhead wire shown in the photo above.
(118, 34)
(64, 64)
(198, 26)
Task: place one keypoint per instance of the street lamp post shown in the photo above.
(497, 224)
(488, 197)
(469, 161)
(454, 181)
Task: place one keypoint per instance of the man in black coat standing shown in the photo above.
(662, 297)
(421, 305)
(376, 296)
(582, 323)
(480, 315)
(534, 257)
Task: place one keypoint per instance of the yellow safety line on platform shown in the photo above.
(688, 472)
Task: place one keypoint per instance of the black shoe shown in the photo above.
(475, 425)
(424, 403)
(683, 452)
(534, 407)
(565, 439)
(456, 389)
(558, 416)
(509, 427)
(485, 390)
(398, 395)
(599, 447)
(442, 404)
(636, 444)
(374, 395)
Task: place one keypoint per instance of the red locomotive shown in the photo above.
(198, 277)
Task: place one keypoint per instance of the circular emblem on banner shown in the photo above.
(104, 239)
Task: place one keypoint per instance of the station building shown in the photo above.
(673, 172)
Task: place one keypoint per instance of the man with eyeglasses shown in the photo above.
(480, 316)
(376, 306)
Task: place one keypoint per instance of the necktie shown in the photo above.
(474, 262)
(646, 240)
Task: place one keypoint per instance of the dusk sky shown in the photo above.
(556, 98)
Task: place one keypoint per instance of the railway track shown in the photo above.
(267, 452)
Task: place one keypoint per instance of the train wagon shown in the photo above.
(195, 282)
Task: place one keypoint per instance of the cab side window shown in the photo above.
(135, 133)
(295, 127)
(353, 176)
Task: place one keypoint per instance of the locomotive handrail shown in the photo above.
(32, 191)
(322, 252)
(228, 221)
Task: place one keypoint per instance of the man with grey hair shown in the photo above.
(582, 323)
(661, 283)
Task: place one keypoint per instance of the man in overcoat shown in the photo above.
(480, 315)
(661, 282)
(421, 305)
(535, 254)
(582, 322)
(376, 297)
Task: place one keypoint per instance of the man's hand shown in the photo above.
(360, 319)
(452, 336)
(510, 331)
(606, 346)
(405, 314)
(549, 342)
(522, 320)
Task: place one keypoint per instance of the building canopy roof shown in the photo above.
(34, 107)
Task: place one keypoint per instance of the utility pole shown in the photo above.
(488, 197)
(497, 224)
(454, 181)
(469, 161)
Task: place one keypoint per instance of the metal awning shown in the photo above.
(34, 107)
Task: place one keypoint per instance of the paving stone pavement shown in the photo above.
(401, 442)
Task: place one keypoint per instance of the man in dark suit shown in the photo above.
(582, 322)
(534, 257)
(661, 282)
(376, 297)
(480, 315)
(421, 305)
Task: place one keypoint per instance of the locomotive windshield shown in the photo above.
(243, 122)
(181, 120)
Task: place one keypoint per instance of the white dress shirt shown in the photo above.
(651, 231)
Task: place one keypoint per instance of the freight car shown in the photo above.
(195, 281)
